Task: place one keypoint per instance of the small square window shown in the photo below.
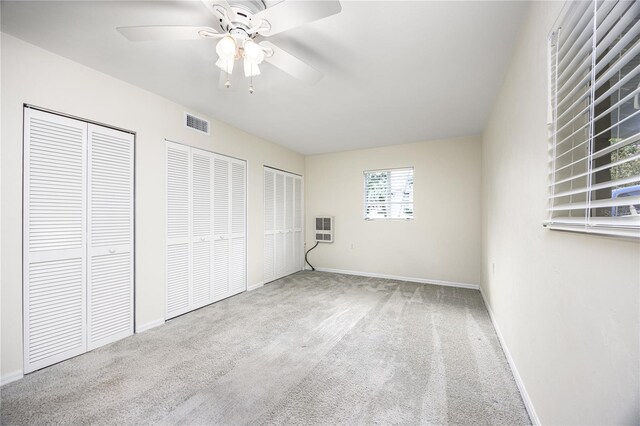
(388, 194)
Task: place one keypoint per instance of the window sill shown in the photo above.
(388, 219)
(607, 231)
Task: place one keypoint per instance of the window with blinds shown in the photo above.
(388, 194)
(594, 81)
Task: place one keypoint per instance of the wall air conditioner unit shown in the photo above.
(324, 229)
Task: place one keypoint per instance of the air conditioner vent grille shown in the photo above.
(324, 229)
(196, 123)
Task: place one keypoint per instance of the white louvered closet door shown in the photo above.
(269, 225)
(279, 222)
(298, 244)
(178, 229)
(54, 244)
(283, 242)
(237, 237)
(110, 242)
(201, 204)
(221, 228)
(288, 225)
(206, 221)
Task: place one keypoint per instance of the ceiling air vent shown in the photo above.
(196, 123)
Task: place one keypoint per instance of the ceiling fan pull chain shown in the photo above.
(251, 81)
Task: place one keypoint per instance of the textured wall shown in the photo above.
(567, 304)
(35, 76)
(441, 243)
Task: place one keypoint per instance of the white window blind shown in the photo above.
(388, 194)
(594, 63)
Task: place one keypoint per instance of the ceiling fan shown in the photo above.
(241, 26)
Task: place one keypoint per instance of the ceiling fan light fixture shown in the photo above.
(253, 52)
(251, 69)
(253, 56)
(226, 48)
(225, 65)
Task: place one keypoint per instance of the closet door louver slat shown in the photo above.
(220, 269)
(269, 258)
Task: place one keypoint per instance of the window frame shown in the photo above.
(592, 222)
(365, 204)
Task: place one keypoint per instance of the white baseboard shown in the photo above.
(255, 286)
(400, 278)
(523, 390)
(151, 324)
(11, 377)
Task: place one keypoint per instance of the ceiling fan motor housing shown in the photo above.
(242, 21)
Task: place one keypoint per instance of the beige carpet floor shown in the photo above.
(312, 348)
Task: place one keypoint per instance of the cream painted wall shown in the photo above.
(441, 243)
(568, 305)
(35, 76)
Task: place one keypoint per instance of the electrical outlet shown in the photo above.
(353, 246)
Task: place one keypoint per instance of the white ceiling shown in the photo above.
(394, 72)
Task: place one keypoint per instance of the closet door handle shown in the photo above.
(112, 250)
(201, 238)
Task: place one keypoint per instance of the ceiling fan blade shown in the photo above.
(210, 4)
(159, 32)
(291, 65)
(290, 14)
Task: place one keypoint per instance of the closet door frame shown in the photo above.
(27, 110)
(293, 230)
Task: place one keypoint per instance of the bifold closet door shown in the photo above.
(206, 221)
(279, 227)
(283, 243)
(269, 225)
(298, 243)
(237, 237)
(77, 237)
(54, 240)
(221, 204)
(110, 242)
(201, 212)
(178, 229)
(229, 227)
